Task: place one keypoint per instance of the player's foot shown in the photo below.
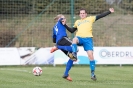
(93, 77)
(72, 57)
(53, 49)
(67, 78)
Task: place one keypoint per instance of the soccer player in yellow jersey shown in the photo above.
(84, 35)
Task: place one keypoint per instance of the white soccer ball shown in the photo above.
(37, 71)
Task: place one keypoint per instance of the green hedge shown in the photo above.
(127, 5)
(6, 37)
(92, 6)
(60, 6)
(15, 6)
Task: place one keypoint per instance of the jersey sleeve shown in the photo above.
(93, 18)
(75, 25)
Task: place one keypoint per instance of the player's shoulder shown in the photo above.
(90, 17)
(59, 23)
(78, 20)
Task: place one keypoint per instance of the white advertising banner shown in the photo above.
(102, 55)
(31, 55)
(9, 56)
(26, 56)
(113, 55)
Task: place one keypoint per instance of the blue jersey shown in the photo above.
(59, 31)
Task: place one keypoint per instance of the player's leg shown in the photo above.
(67, 48)
(63, 44)
(74, 46)
(66, 44)
(92, 64)
(68, 67)
(88, 47)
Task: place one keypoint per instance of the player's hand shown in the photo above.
(111, 10)
(64, 21)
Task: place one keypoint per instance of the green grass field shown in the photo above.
(108, 77)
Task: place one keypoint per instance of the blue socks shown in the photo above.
(67, 48)
(74, 48)
(92, 66)
(68, 67)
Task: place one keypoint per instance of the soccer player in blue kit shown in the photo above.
(63, 43)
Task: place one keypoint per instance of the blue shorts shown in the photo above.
(87, 43)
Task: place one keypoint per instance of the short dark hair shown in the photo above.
(83, 9)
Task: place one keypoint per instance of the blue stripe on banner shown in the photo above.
(84, 60)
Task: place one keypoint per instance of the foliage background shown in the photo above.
(26, 23)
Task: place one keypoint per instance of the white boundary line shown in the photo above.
(16, 70)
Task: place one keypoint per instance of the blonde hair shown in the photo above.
(58, 16)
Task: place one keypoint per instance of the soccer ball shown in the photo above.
(37, 71)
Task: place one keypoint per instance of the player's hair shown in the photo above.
(58, 16)
(82, 9)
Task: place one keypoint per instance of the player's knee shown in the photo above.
(90, 55)
(75, 40)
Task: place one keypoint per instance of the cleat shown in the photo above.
(72, 56)
(53, 49)
(67, 78)
(93, 77)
